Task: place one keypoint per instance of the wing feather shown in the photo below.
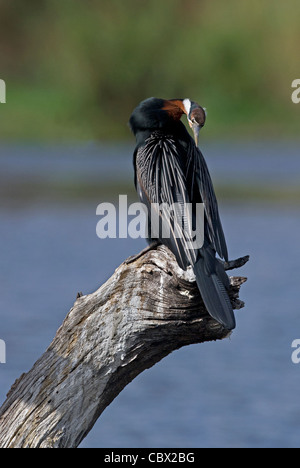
(169, 173)
(212, 219)
(161, 177)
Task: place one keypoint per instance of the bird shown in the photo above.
(169, 169)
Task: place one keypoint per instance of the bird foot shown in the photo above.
(238, 263)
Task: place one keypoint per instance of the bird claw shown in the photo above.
(238, 263)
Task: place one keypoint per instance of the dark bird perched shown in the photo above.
(169, 168)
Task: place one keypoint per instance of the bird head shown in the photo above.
(196, 116)
(155, 113)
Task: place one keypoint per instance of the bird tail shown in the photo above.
(213, 282)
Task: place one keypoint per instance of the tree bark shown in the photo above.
(147, 309)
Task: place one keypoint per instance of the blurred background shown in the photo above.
(74, 71)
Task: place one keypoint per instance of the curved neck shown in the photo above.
(175, 108)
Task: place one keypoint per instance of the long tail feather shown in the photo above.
(214, 294)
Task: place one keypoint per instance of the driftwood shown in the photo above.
(147, 309)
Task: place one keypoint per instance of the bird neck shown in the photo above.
(174, 108)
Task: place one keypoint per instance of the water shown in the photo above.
(241, 392)
(268, 162)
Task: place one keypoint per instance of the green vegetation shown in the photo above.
(76, 69)
(16, 194)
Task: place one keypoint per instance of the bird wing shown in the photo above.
(213, 226)
(161, 179)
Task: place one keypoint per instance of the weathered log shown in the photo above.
(147, 309)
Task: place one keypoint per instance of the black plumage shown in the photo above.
(169, 168)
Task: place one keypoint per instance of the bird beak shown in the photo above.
(196, 130)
